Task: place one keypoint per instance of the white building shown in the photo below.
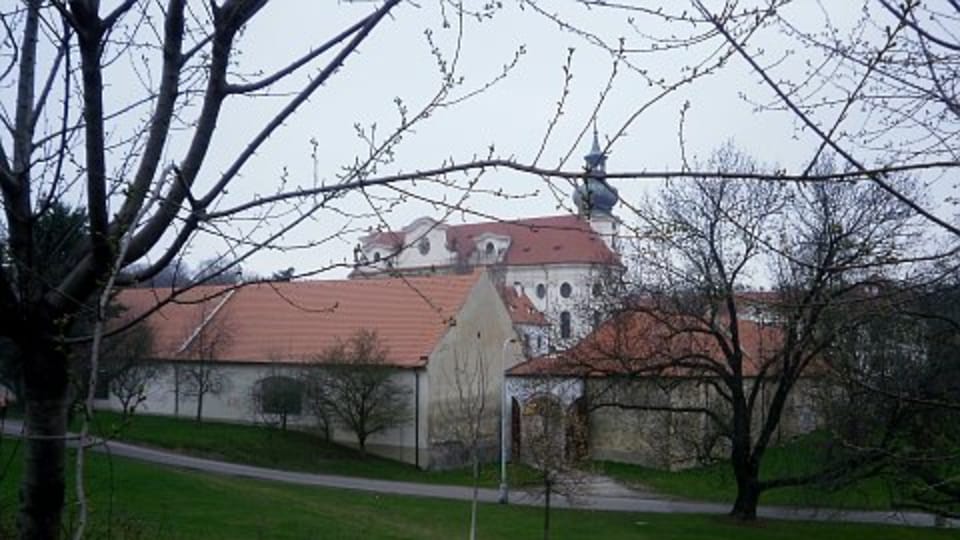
(274, 331)
(559, 263)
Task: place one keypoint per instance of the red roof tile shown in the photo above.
(294, 321)
(642, 343)
(543, 240)
(521, 309)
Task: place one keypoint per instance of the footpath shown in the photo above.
(598, 493)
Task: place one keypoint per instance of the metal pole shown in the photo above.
(504, 492)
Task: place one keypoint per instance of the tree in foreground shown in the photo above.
(694, 316)
(71, 138)
(899, 408)
(357, 386)
(548, 448)
(464, 416)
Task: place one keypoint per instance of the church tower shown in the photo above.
(595, 198)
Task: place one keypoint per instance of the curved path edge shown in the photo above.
(639, 504)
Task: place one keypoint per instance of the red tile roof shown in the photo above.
(543, 240)
(522, 310)
(294, 321)
(641, 343)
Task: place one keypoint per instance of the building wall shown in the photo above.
(482, 328)
(676, 440)
(236, 404)
(580, 303)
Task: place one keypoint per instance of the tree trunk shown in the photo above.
(748, 490)
(199, 407)
(546, 511)
(476, 494)
(45, 426)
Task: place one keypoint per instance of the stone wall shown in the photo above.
(642, 425)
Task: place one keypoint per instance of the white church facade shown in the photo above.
(559, 263)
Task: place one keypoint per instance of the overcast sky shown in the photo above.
(512, 115)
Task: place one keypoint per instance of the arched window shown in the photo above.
(541, 290)
(565, 330)
(489, 248)
(376, 256)
(566, 290)
(597, 289)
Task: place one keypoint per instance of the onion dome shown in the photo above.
(595, 195)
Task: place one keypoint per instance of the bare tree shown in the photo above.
(546, 447)
(126, 370)
(201, 375)
(56, 56)
(898, 404)
(707, 240)
(358, 386)
(465, 416)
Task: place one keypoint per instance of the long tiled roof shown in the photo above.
(294, 321)
(646, 344)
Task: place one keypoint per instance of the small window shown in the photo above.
(539, 343)
(597, 319)
(424, 246)
(490, 248)
(597, 289)
(376, 256)
(566, 289)
(541, 290)
(565, 330)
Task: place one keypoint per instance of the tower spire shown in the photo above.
(595, 197)
(596, 160)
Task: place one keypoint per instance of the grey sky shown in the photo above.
(512, 115)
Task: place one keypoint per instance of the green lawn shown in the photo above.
(146, 502)
(270, 447)
(716, 483)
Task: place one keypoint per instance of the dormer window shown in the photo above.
(376, 256)
(489, 249)
(423, 246)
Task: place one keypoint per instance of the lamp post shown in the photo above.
(504, 493)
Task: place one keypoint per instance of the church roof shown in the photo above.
(294, 321)
(534, 241)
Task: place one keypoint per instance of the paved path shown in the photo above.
(602, 493)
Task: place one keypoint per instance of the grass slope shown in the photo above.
(716, 483)
(148, 502)
(264, 446)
